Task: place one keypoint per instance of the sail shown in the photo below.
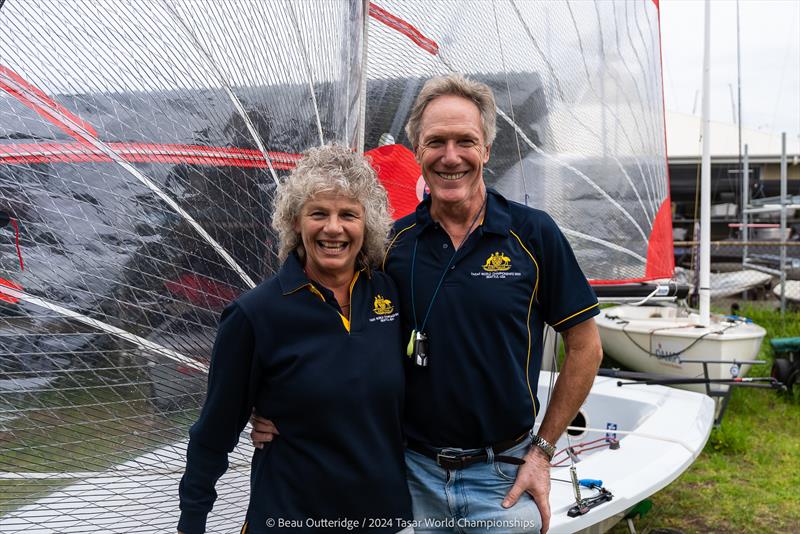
(140, 145)
(580, 113)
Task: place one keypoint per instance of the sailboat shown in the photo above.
(676, 342)
(140, 145)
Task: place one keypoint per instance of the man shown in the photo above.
(478, 277)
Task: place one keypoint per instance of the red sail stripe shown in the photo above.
(145, 153)
(5, 297)
(396, 23)
(44, 111)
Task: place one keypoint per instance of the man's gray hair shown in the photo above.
(333, 169)
(455, 85)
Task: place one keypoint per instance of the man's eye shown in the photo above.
(434, 143)
(467, 142)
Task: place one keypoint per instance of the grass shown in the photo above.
(747, 479)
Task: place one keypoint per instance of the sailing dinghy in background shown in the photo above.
(140, 145)
(686, 348)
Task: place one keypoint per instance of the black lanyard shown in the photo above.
(421, 328)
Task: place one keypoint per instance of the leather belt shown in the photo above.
(449, 458)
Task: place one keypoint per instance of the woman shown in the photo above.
(316, 349)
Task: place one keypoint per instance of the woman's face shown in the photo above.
(331, 226)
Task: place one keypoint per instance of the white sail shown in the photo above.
(140, 144)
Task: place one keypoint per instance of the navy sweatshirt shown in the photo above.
(334, 389)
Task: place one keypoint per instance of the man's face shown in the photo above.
(451, 150)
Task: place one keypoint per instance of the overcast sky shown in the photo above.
(770, 60)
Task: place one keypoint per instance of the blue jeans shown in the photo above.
(468, 501)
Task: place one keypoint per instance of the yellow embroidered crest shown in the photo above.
(382, 306)
(497, 262)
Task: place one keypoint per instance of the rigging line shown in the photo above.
(605, 243)
(105, 327)
(510, 103)
(578, 173)
(227, 86)
(634, 433)
(307, 64)
(84, 136)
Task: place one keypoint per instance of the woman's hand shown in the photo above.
(263, 430)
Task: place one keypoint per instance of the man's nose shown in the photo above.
(451, 154)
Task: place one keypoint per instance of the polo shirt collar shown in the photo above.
(291, 276)
(497, 219)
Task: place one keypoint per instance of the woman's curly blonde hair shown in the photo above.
(326, 169)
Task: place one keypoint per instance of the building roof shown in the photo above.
(684, 144)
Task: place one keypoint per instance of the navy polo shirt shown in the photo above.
(334, 389)
(514, 273)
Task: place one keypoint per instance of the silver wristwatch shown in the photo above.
(547, 448)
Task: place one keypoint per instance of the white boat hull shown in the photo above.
(792, 290)
(727, 284)
(661, 431)
(657, 339)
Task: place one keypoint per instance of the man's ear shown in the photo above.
(486, 154)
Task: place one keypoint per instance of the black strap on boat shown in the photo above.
(591, 502)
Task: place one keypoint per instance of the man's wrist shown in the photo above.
(543, 447)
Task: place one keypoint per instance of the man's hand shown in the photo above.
(533, 478)
(263, 431)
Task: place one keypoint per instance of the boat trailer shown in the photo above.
(651, 379)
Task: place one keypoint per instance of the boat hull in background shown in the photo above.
(657, 339)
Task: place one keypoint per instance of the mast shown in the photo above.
(362, 97)
(705, 180)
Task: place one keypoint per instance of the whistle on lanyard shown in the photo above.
(418, 348)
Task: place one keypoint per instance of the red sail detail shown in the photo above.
(4, 297)
(145, 153)
(202, 291)
(38, 101)
(396, 23)
(660, 254)
(399, 173)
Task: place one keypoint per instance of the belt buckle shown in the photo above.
(454, 461)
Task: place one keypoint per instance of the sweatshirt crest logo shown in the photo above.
(497, 262)
(382, 306)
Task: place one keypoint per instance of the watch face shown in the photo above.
(548, 449)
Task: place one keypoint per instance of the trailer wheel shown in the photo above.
(781, 371)
(793, 383)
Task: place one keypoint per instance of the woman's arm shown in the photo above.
(232, 381)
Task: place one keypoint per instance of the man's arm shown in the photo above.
(583, 353)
